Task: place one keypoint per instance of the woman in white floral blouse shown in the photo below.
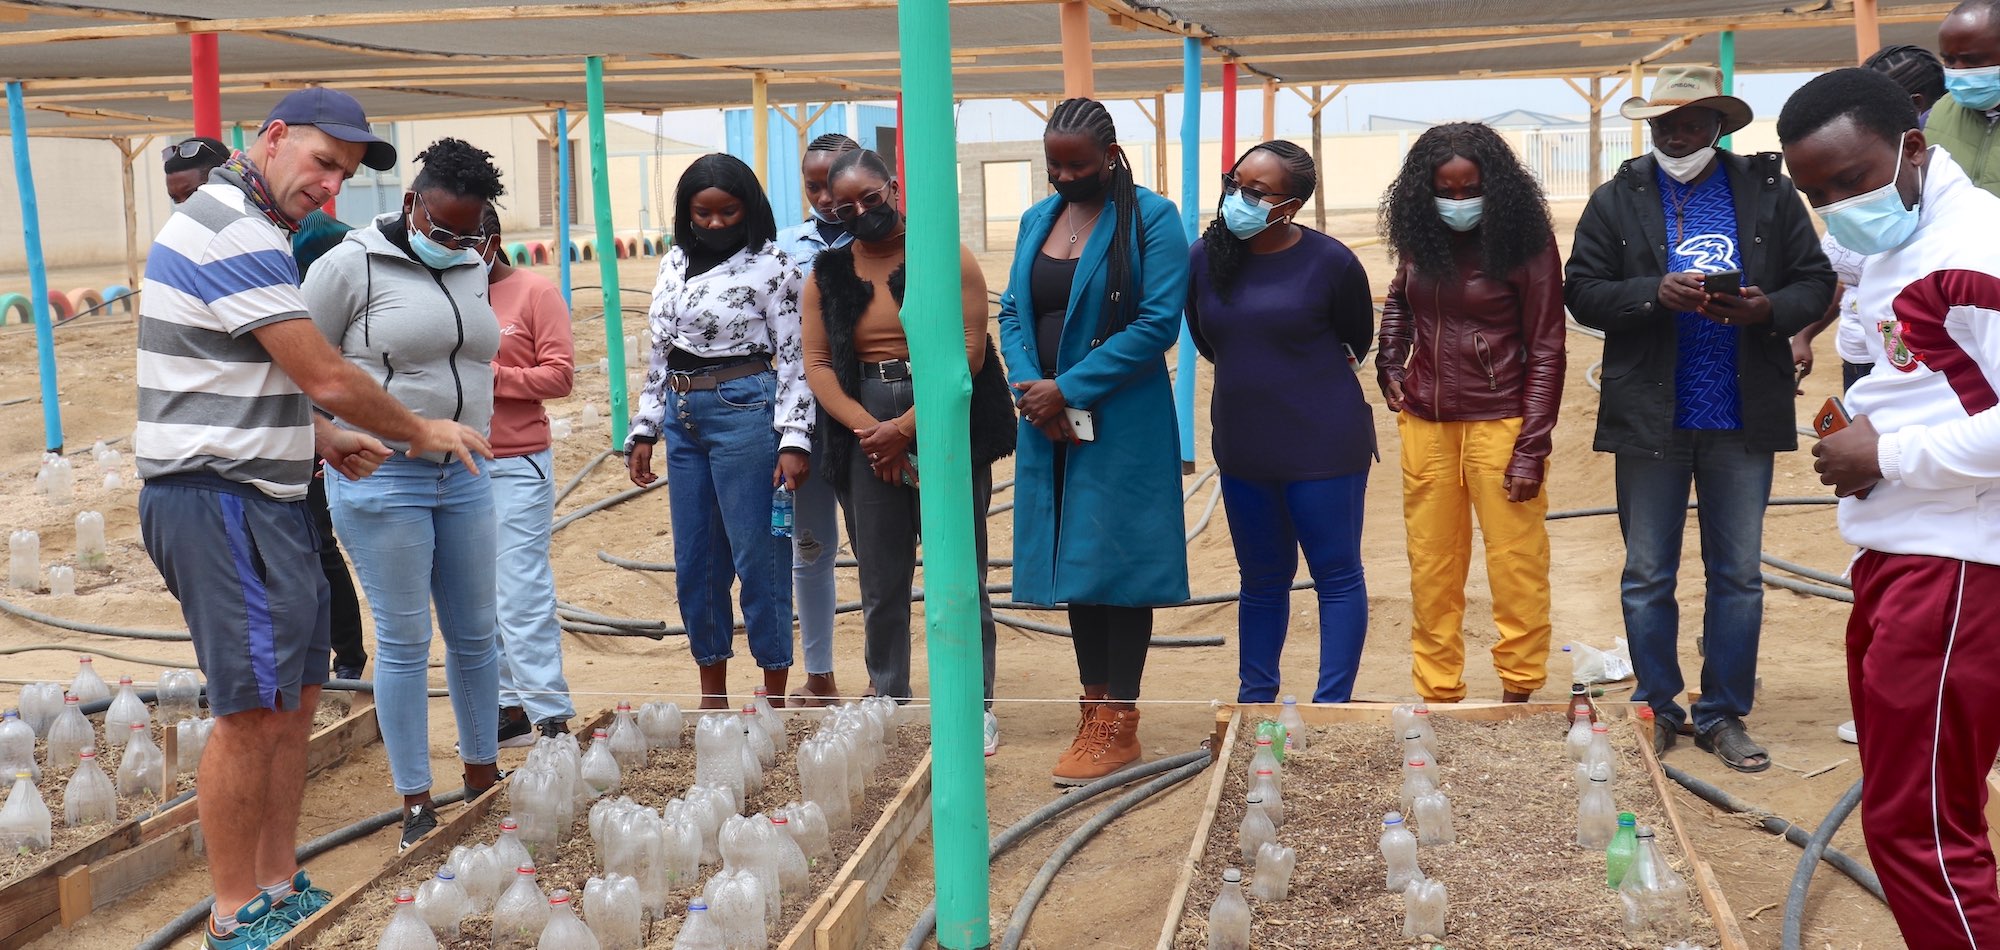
(726, 388)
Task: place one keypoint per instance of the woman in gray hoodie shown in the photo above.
(406, 300)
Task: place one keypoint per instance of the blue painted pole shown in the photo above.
(38, 277)
(1184, 377)
(562, 200)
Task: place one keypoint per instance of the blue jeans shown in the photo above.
(421, 533)
(1269, 522)
(524, 504)
(815, 546)
(1732, 482)
(721, 451)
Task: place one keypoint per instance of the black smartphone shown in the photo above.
(1723, 282)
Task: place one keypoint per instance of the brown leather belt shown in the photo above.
(707, 379)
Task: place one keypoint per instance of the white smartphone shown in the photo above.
(1082, 423)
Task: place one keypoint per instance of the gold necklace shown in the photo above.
(1073, 232)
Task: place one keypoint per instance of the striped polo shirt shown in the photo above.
(210, 398)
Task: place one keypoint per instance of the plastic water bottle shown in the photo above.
(1273, 878)
(1596, 816)
(564, 931)
(589, 415)
(1255, 830)
(1263, 758)
(612, 909)
(59, 483)
(190, 738)
(1423, 909)
(25, 824)
(90, 542)
(1417, 756)
(774, 724)
(509, 848)
(40, 702)
(1399, 852)
(112, 482)
(1297, 737)
(17, 747)
(1229, 916)
(1577, 741)
(24, 560)
(736, 898)
(794, 872)
(69, 733)
(600, 770)
(823, 781)
(1420, 718)
(1434, 819)
(479, 874)
(758, 738)
(1598, 755)
(1417, 782)
(781, 512)
(628, 744)
(406, 930)
(521, 913)
(142, 770)
(89, 797)
(442, 903)
(1580, 706)
(178, 696)
(699, 930)
(126, 709)
(1618, 855)
(1654, 897)
(559, 429)
(62, 581)
(1266, 787)
(806, 823)
(662, 725)
(88, 687)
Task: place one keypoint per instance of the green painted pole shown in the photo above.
(236, 137)
(944, 405)
(1727, 57)
(607, 256)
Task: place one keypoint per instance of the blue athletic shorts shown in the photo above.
(246, 570)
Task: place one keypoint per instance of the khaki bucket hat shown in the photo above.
(1679, 87)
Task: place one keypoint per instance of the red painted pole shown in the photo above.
(902, 179)
(206, 77)
(1228, 115)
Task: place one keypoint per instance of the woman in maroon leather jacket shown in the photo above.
(1471, 360)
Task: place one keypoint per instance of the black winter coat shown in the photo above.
(1612, 284)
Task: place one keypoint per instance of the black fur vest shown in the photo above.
(843, 298)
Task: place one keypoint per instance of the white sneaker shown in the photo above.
(1846, 733)
(992, 733)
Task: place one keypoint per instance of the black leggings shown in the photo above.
(1111, 647)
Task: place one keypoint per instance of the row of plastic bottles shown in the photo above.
(837, 762)
(24, 556)
(178, 697)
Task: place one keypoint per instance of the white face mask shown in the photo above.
(1684, 169)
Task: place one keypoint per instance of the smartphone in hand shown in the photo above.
(1832, 417)
(1728, 282)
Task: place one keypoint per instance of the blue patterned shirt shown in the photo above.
(1701, 236)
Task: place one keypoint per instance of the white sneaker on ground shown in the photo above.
(1847, 733)
(992, 733)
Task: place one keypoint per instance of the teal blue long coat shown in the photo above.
(1117, 535)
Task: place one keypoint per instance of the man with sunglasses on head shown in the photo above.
(229, 369)
(188, 163)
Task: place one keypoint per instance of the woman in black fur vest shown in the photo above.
(857, 362)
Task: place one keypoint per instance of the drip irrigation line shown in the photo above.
(601, 504)
(570, 611)
(1691, 506)
(1005, 840)
(99, 629)
(1018, 623)
(1017, 925)
(1808, 573)
(581, 474)
(1795, 898)
(95, 651)
(1716, 796)
(163, 938)
(1214, 497)
(1799, 586)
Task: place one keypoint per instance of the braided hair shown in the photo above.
(458, 168)
(832, 142)
(1514, 228)
(864, 159)
(1223, 247)
(1089, 117)
(1912, 67)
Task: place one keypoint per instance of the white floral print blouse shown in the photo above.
(745, 306)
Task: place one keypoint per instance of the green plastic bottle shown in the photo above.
(1275, 731)
(1618, 854)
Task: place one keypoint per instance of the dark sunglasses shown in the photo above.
(868, 202)
(1231, 186)
(187, 149)
(447, 237)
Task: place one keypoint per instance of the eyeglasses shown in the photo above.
(1231, 186)
(868, 202)
(447, 237)
(187, 149)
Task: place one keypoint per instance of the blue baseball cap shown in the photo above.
(337, 114)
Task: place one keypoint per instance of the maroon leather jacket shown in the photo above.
(1480, 346)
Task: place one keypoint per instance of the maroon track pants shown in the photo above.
(1923, 670)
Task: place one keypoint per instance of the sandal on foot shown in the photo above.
(806, 698)
(1731, 743)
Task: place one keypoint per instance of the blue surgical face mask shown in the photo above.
(436, 256)
(1244, 218)
(1976, 89)
(1461, 214)
(1876, 221)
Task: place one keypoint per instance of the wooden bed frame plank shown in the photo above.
(1221, 745)
(873, 864)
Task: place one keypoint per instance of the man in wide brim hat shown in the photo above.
(1689, 87)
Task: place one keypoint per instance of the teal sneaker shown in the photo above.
(257, 927)
(304, 901)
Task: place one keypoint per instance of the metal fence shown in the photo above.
(1560, 158)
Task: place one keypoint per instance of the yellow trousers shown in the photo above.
(1450, 471)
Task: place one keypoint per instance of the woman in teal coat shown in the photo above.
(1093, 303)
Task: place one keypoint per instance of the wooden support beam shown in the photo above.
(127, 152)
(1595, 96)
(542, 127)
(1036, 108)
(1318, 103)
(1638, 81)
(1867, 30)
(1079, 80)
(1270, 110)
(1160, 144)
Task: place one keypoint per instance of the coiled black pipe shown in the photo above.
(1841, 861)
(1795, 898)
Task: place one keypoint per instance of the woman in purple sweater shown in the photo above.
(1284, 313)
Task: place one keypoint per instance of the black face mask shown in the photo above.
(722, 239)
(1080, 190)
(877, 224)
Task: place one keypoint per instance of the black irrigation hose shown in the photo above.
(600, 505)
(1795, 898)
(98, 629)
(1809, 573)
(569, 611)
(164, 938)
(1794, 584)
(1841, 861)
(1005, 840)
(582, 473)
(1017, 925)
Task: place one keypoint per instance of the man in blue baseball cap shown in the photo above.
(229, 369)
